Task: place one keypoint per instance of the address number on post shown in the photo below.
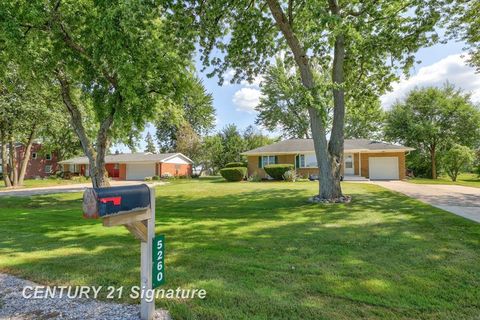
(158, 265)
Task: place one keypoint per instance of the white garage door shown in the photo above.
(140, 171)
(383, 168)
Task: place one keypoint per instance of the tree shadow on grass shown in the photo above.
(269, 254)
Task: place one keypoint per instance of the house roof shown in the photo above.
(129, 157)
(294, 146)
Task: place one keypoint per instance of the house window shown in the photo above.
(306, 161)
(266, 160)
(48, 168)
(34, 155)
(48, 156)
(349, 162)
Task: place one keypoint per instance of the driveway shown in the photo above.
(462, 201)
(80, 187)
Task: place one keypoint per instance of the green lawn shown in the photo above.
(262, 252)
(464, 179)
(34, 183)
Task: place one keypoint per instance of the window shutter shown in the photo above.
(276, 159)
(297, 161)
(260, 162)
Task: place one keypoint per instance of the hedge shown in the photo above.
(235, 164)
(276, 171)
(234, 174)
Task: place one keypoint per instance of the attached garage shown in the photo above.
(138, 171)
(383, 168)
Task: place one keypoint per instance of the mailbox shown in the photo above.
(103, 202)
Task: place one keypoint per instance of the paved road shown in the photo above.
(80, 187)
(462, 201)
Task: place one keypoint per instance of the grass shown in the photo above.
(262, 252)
(38, 183)
(464, 179)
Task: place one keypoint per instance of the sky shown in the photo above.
(235, 103)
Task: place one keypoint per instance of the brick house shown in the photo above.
(362, 158)
(40, 165)
(135, 166)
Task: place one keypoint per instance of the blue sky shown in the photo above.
(234, 103)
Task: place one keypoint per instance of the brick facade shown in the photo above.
(38, 166)
(175, 169)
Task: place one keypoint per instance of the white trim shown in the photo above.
(178, 155)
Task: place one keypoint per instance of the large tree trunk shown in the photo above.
(3, 142)
(329, 155)
(96, 158)
(13, 163)
(433, 160)
(26, 157)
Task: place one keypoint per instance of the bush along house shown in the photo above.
(134, 166)
(363, 159)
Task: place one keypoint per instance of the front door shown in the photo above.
(348, 164)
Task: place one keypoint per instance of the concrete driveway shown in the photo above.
(80, 187)
(462, 201)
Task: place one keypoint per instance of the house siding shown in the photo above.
(305, 172)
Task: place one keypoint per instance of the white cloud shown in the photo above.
(255, 83)
(453, 69)
(246, 99)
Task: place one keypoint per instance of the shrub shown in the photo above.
(156, 177)
(276, 171)
(234, 174)
(457, 158)
(290, 176)
(167, 176)
(148, 179)
(254, 178)
(235, 164)
(80, 179)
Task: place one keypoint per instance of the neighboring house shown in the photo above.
(135, 166)
(40, 165)
(365, 158)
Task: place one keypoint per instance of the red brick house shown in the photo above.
(135, 166)
(40, 165)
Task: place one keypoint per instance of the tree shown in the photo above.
(430, 120)
(367, 40)
(463, 23)
(150, 147)
(196, 109)
(253, 138)
(27, 109)
(188, 142)
(117, 80)
(457, 158)
(232, 144)
(282, 106)
(211, 154)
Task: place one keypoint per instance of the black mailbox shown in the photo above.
(101, 202)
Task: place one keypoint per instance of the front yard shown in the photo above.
(464, 179)
(262, 252)
(40, 183)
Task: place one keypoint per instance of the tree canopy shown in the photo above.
(115, 65)
(430, 120)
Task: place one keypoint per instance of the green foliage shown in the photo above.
(150, 147)
(283, 105)
(254, 178)
(235, 164)
(456, 158)
(234, 174)
(195, 109)
(156, 177)
(276, 171)
(430, 120)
